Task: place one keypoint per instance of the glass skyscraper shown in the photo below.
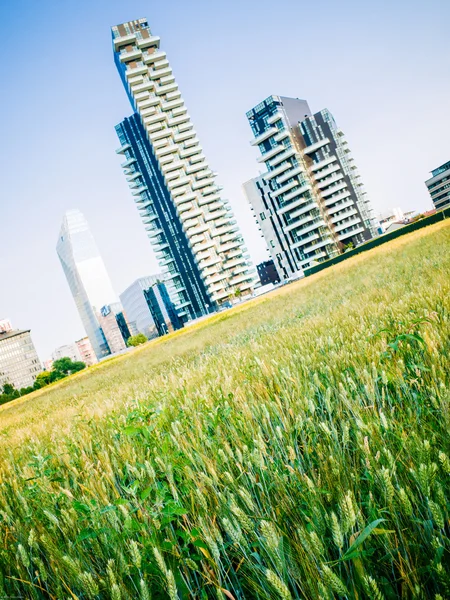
(86, 275)
(192, 229)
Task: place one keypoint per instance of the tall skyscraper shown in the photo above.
(310, 202)
(192, 229)
(19, 362)
(86, 275)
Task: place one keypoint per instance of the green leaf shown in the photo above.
(131, 430)
(361, 538)
(86, 534)
(146, 493)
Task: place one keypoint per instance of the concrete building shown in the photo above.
(115, 327)
(191, 227)
(68, 350)
(19, 362)
(162, 309)
(86, 351)
(267, 273)
(86, 275)
(136, 307)
(310, 202)
(439, 186)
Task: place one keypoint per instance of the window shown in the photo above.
(262, 216)
(272, 244)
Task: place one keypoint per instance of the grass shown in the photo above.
(296, 447)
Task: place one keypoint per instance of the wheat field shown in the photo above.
(296, 447)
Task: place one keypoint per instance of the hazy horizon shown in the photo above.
(378, 68)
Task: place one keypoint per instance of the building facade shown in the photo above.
(310, 195)
(86, 351)
(114, 324)
(267, 273)
(162, 309)
(68, 350)
(86, 275)
(136, 307)
(19, 362)
(191, 227)
(439, 186)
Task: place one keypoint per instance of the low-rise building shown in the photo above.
(136, 306)
(86, 351)
(267, 272)
(19, 362)
(439, 186)
(162, 309)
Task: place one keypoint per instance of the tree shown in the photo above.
(137, 340)
(42, 379)
(65, 366)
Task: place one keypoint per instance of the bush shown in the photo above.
(137, 340)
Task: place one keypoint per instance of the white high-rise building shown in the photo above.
(192, 228)
(86, 275)
(310, 203)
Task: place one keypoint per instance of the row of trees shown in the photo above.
(61, 368)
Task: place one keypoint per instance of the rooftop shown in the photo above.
(4, 335)
(441, 169)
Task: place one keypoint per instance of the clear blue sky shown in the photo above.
(382, 69)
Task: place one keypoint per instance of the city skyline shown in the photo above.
(54, 161)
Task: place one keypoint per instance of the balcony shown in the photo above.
(165, 148)
(301, 190)
(343, 194)
(340, 207)
(297, 224)
(270, 154)
(327, 172)
(271, 174)
(324, 242)
(152, 40)
(198, 185)
(128, 162)
(330, 180)
(164, 89)
(124, 40)
(157, 73)
(304, 242)
(304, 209)
(150, 58)
(204, 200)
(190, 151)
(142, 87)
(274, 118)
(161, 134)
(265, 135)
(333, 189)
(138, 191)
(345, 214)
(172, 104)
(344, 236)
(284, 188)
(181, 137)
(191, 214)
(347, 224)
(282, 135)
(123, 149)
(174, 121)
(134, 54)
(140, 70)
(155, 118)
(323, 163)
(188, 197)
(295, 171)
(317, 146)
(281, 157)
(288, 207)
(150, 101)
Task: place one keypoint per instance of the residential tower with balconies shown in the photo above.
(191, 227)
(310, 202)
